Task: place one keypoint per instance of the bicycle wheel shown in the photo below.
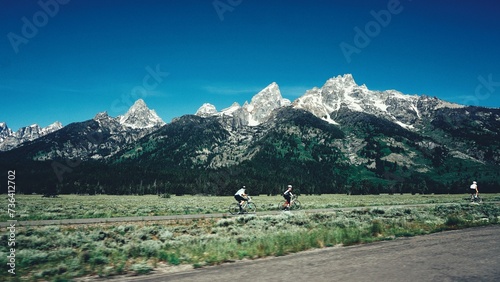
(234, 208)
(251, 208)
(281, 205)
(296, 205)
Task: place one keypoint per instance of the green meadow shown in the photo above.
(35, 207)
(66, 252)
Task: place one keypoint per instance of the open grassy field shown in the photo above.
(34, 207)
(63, 252)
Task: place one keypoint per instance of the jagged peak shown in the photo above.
(272, 86)
(140, 116)
(139, 104)
(270, 91)
(206, 110)
(270, 94)
(5, 131)
(53, 126)
(231, 109)
(345, 80)
(101, 115)
(56, 123)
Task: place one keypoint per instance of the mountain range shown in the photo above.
(10, 139)
(339, 138)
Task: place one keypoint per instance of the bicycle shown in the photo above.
(294, 204)
(247, 207)
(475, 199)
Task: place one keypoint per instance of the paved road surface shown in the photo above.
(464, 255)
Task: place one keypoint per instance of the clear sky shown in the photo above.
(67, 60)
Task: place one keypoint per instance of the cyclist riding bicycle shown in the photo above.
(241, 196)
(288, 196)
(473, 190)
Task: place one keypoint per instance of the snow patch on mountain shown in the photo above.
(10, 140)
(5, 131)
(326, 101)
(254, 113)
(140, 116)
(393, 105)
(206, 110)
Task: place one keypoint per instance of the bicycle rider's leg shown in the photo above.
(240, 201)
(288, 199)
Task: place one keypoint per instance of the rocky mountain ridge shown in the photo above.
(10, 139)
(138, 121)
(98, 138)
(254, 113)
(326, 101)
(336, 138)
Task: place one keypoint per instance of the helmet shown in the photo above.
(474, 182)
(289, 186)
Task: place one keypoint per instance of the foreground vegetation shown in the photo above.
(59, 253)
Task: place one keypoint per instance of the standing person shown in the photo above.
(241, 196)
(288, 196)
(473, 190)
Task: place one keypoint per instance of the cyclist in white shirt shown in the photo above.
(473, 190)
(241, 197)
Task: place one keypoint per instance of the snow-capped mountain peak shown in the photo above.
(254, 113)
(264, 103)
(231, 109)
(34, 131)
(206, 110)
(342, 91)
(51, 128)
(9, 139)
(140, 116)
(5, 131)
(342, 81)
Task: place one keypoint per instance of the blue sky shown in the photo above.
(67, 60)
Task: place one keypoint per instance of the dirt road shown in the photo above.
(464, 255)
